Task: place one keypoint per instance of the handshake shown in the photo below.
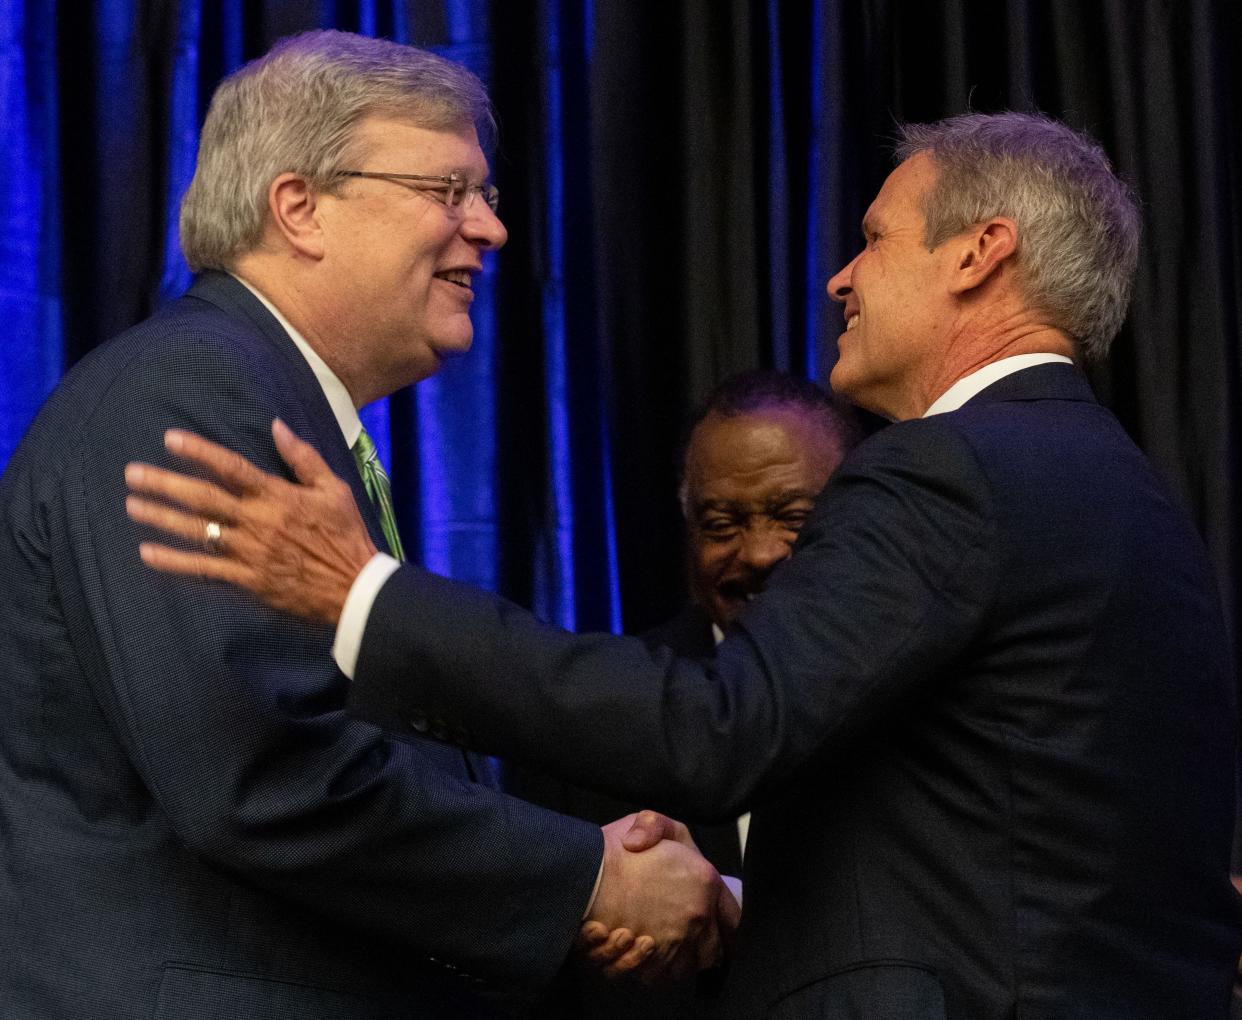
(661, 911)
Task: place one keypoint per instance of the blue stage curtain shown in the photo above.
(90, 246)
(30, 297)
(679, 181)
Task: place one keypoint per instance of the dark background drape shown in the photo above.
(679, 180)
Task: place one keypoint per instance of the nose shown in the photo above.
(482, 227)
(842, 285)
(764, 547)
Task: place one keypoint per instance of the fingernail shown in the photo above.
(174, 440)
(133, 474)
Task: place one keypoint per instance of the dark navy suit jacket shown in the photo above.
(984, 716)
(190, 824)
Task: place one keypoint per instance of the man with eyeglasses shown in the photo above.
(190, 824)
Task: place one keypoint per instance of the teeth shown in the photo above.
(457, 276)
(851, 322)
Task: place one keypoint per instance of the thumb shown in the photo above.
(649, 827)
(305, 461)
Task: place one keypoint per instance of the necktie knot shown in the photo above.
(364, 449)
(379, 490)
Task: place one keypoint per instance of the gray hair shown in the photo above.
(295, 110)
(1078, 223)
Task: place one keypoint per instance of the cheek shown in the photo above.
(710, 559)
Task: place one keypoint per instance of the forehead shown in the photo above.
(749, 455)
(411, 148)
(900, 198)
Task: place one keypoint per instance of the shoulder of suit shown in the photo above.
(915, 465)
(917, 445)
(190, 338)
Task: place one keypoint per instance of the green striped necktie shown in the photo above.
(379, 489)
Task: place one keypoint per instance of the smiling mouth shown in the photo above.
(739, 591)
(457, 277)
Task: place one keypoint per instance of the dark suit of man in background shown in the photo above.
(984, 714)
(190, 824)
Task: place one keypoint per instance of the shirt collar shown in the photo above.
(967, 386)
(333, 389)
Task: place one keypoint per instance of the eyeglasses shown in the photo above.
(451, 191)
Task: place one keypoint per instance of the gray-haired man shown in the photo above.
(191, 824)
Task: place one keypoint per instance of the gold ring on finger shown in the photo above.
(213, 537)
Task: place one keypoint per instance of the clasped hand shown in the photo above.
(662, 911)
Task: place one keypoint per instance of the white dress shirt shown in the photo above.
(967, 386)
(348, 639)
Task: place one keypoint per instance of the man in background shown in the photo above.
(758, 452)
(190, 824)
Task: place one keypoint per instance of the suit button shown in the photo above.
(439, 729)
(419, 723)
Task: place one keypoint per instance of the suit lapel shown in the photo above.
(232, 298)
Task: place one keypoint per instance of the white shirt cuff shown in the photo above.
(594, 892)
(357, 610)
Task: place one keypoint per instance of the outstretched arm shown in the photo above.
(889, 580)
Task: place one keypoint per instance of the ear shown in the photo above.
(292, 203)
(982, 251)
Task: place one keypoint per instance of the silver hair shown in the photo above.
(1078, 223)
(295, 110)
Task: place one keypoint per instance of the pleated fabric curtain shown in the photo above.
(679, 181)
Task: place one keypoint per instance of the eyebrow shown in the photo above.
(468, 177)
(779, 501)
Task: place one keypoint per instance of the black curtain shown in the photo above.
(720, 131)
(713, 160)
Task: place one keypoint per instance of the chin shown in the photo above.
(452, 343)
(840, 379)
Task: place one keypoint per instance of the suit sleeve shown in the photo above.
(889, 582)
(233, 717)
